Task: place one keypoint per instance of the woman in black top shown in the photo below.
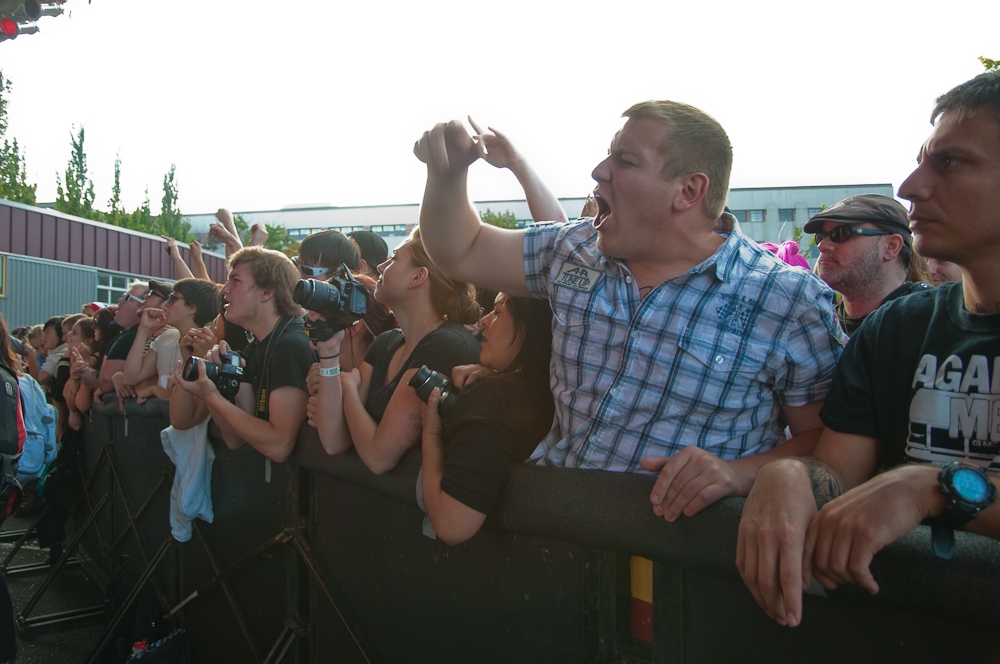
(371, 405)
(497, 420)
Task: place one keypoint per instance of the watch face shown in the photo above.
(970, 485)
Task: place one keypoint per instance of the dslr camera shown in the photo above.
(226, 376)
(425, 380)
(342, 301)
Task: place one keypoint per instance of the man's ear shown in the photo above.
(893, 245)
(694, 186)
(266, 294)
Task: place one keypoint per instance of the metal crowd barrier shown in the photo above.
(318, 560)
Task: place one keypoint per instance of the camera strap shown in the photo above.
(264, 389)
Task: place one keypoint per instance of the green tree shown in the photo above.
(797, 235)
(242, 228)
(116, 214)
(501, 219)
(277, 237)
(142, 218)
(170, 223)
(989, 64)
(13, 171)
(77, 198)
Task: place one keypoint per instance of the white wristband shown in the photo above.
(329, 372)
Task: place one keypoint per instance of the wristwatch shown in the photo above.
(967, 491)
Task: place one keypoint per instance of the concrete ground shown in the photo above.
(71, 589)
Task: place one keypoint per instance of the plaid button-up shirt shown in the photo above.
(707, 358)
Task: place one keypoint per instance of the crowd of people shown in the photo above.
(848, 403)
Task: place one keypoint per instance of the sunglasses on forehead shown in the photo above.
(308, 271)
(845, 233)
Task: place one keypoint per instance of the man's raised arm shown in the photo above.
(456, 239)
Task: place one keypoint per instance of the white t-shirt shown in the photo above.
(167, 347)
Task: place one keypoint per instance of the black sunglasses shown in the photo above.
(845, 233)
(174, 296)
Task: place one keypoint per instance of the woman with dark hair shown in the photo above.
(321, 255)
(371, 406)
(497, 420)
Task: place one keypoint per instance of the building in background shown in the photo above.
(52, 263)
(766, 214)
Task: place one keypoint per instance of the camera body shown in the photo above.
(425, 380)
(226, 376)
(342, 301)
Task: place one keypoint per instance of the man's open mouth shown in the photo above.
(603, 210)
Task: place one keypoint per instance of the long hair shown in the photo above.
(533, 327)
(7, 357)
(103, 323)
(454, 300)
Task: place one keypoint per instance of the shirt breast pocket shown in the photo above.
(723, 375)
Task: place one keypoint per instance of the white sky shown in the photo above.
(267, 104)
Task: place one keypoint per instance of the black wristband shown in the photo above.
(330, 357)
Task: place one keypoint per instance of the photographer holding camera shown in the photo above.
(373, 406)
(495, 421)
(270, 403)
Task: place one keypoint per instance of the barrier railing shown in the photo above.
(320, 560)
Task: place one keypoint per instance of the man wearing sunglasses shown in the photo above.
(130, 306)
(865, 247)
(912, 430)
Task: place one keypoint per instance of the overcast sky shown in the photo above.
(267, 104)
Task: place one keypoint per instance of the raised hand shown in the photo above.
(494, 147)
(447, 149)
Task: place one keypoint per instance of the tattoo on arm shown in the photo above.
(417, 422)
(825, 484)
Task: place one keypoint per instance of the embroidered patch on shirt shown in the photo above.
(10, 388)
(577, 277)
(736, 315)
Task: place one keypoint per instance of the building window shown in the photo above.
(110, 287)
(786, 214)
(814, 211)
(741, 216)
(756, 216)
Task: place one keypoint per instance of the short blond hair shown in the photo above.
(273, 271)
(696, 143)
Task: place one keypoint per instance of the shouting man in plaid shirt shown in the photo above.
(677, 348)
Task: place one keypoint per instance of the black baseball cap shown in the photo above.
(886, 213)
(159, 288)
(374, 250)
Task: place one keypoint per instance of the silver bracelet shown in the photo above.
(329, 371)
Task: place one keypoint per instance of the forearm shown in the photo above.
(84, 398)
(542, 203)
(180, 267)
(330, 422)
(363, 429)
(132, 370)
(200, 269)
(239, 426)
(108, 371)
(184, 410)
(746, 468)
